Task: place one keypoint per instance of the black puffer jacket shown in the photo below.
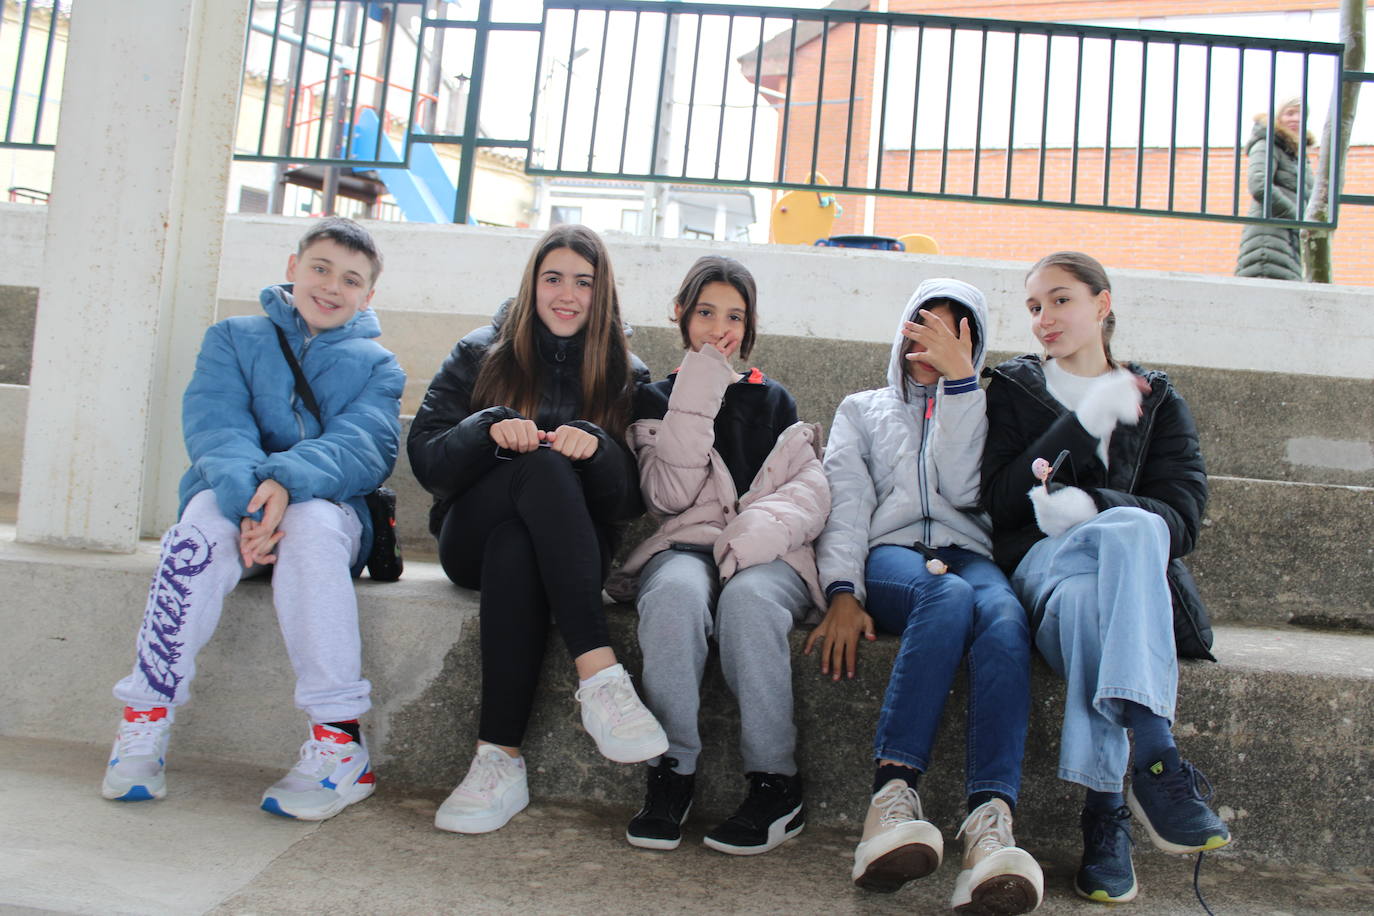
(1273, 252)
(450, 446)
(1154, 465)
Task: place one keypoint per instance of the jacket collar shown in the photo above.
(276, 302)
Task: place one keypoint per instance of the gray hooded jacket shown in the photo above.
(903, 461)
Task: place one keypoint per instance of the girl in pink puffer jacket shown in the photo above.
(736, 482)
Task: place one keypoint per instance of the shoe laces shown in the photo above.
(897, 803)
(1102, 827)
(988, 827)
(317, 757)
(618, 696)
(485, 773)
(140, 738)
(1185, 783)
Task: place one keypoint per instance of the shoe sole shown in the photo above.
(486, 823)
(133, 793)
(889, 871)
(1101, 896)
(635, 753)
(1000, 895)
(361, 790)
(1214, 842)
(779, 832)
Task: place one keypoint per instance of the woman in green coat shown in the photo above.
(1274, 252)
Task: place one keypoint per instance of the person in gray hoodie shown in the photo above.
(906, 550)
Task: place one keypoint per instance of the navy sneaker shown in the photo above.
(772, 812)
(668, 798)
(1106, 874)
(1170, 797)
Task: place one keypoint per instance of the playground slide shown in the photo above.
(423, 191)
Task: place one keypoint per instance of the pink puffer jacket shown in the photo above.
(687, 486)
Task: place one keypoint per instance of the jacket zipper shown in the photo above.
(922, 478)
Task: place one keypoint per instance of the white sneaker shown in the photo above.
(493, 792)
(997, 878)
(333, 772)
(898, 844)
(138, 759)
(622, 727)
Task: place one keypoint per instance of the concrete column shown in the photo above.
(131, 266)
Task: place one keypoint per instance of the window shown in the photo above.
(629, 220)
(560, 215)
(252, 200)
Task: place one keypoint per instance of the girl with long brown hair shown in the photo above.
(520, 440)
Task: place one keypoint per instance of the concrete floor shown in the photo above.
(208, 849)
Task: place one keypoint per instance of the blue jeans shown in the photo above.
(1105, 624)
(970, 610)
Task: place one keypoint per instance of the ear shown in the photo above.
(291, 263)
(1104, 304)
(367, 301)
(677, 312)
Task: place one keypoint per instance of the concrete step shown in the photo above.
(1264, 425)
(1311, 541)
(1281, 726)
(206, 848)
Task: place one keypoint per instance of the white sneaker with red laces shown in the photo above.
(137, 767)
(333, 772)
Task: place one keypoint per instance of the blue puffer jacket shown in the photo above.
(243, 423)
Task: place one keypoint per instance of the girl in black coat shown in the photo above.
(520, 440)
(1093, 554)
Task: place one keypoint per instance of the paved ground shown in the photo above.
(208, 849)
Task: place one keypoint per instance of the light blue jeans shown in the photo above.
(1105, 624)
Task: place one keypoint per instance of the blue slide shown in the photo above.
(423, 191)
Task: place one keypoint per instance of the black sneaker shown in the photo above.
(1106, 874)
(1170, 797)
(771, 813)
(658, 825)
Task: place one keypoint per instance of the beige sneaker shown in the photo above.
(898, 844)
(998, 877)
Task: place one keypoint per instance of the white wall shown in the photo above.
(1184, 319)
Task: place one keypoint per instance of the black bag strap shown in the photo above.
(302, 386)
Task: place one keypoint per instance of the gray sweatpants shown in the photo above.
(311, 588)
(681, 603)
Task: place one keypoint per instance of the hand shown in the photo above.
(1116, 399)
(515, 435)
(728, 345)
(844, 622)
(948, 353)
(257, 539)
(573, 443)
(1059, 511)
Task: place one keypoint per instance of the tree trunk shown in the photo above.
(1317, 242)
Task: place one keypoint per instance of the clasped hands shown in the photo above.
(258, 539)
(520, 435)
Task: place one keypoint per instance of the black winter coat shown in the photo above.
(1154, 465)
(450, 447)
(1274, 252)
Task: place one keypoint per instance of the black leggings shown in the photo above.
(524, 536)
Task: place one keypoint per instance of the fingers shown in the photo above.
(573, 443)
(515, 435)
(811, 640)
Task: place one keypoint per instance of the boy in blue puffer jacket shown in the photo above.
(268, 487)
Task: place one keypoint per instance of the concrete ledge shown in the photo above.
(1282, 702)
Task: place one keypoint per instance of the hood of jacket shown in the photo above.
(1284, 139)
(937, 288)
(277, 302)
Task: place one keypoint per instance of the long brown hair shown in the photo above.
(714, 268)
(512, 373)
(1089, 271)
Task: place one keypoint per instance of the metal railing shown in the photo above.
(32, 59)
(987, 111)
